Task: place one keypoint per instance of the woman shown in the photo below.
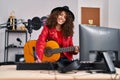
(59, 27)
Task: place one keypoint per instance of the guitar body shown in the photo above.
(28, 51)
(29, 54)
(53, 57)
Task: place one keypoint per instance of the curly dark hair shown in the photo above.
(67, 27)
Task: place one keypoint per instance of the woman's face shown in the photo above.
(61, 18)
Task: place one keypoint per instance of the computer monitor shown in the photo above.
(97, 40)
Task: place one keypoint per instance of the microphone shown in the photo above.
(33, 24)
(19, 40)
(29, 27)
(36, 23)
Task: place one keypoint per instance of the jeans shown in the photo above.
(64, 61)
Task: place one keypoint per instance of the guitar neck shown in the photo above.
(60, 50)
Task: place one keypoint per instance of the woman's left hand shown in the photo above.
(77, 49)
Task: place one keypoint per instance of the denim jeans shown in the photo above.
(64, 61)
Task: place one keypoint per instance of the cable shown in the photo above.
(52, 66)
(115, 78)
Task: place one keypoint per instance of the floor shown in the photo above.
(9, 72)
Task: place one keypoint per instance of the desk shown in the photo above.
(9, 72)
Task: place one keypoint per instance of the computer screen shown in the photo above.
(97, 39)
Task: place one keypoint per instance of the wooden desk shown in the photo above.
(9, 72)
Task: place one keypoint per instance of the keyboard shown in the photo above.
(36, 66)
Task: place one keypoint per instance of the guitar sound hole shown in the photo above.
(48, 51)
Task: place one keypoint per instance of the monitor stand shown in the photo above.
(109, 62)
(108, 65)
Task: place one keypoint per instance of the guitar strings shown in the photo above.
(66, 49)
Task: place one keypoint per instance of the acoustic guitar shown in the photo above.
(51, 52)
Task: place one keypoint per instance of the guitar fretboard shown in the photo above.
(60, 50)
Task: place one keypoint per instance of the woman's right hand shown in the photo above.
(38, 60)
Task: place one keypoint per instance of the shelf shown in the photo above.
(17, 31)
(13, 47)
(7, 38)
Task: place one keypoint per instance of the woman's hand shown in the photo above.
(77, 49)
(38, 61)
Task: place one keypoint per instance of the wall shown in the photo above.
(114, 13)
